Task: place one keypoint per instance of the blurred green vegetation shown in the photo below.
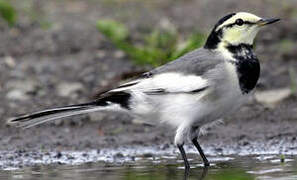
(7, 12)
(157, 48)
(35, 10)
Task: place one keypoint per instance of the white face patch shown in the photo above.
(244, 34)
(241, 15)
(235, 34)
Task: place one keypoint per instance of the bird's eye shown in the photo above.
(239, 22)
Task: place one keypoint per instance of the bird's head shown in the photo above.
(236, 28)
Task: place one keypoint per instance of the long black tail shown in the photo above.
(36, 118)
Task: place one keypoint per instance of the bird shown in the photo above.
(189, 93)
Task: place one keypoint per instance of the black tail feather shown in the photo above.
(47, 112)
(36, 118)
(29, 120)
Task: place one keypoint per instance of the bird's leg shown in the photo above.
(184, 156)
(196, 144)
(204, 173)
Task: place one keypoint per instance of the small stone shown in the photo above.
(69, 89)
(100, 54)
(119, 54)
(10, 61)
(271, 98)
(147, 155)
(69, 157)
(167, 26)
(27, 86)
(58, 155)
(165, 146)
(245, 143)
(219, 149)
(17, 94)
(10, 157)
(119, 155)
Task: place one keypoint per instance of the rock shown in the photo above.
(17, 94)
(271, 98)
(100, 54)
(20, 89)
(147, 155)
(119, 54)
(69, 89)
(58, 155)
(26, 86)
(118, 155)
(9, 61)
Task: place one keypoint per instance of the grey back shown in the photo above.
(197, 62)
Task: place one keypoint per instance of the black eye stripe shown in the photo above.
(244, 23)
(248, 22)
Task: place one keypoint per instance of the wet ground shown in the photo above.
(65, 63)
(164, 166)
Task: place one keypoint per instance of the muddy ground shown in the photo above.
(65, 63)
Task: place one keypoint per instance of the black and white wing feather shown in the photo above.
(184, 75)
(166, 83)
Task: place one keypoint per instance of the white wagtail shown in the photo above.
(188, 93)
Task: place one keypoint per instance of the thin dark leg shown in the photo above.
(196, 144)
(204, 173)
(182, 151)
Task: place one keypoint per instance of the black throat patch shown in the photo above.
(247, 65)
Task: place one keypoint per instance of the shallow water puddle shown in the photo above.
(144, 163)
(223, 168)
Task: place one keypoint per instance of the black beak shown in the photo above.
(263, 22)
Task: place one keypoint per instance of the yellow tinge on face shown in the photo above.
(246, 35)
(241, 15)
(240, 34)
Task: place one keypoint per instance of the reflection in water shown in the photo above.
(238, 168)
(168, 173)
(232, 174)
(201, 177)
(203, 174)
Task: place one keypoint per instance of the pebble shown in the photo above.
(58, 155)
(119, 155)
(271, 98)
(69, 89)
(119, 54)
(26, 86)
(17, 94)
(146, 155)
(10, 61)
